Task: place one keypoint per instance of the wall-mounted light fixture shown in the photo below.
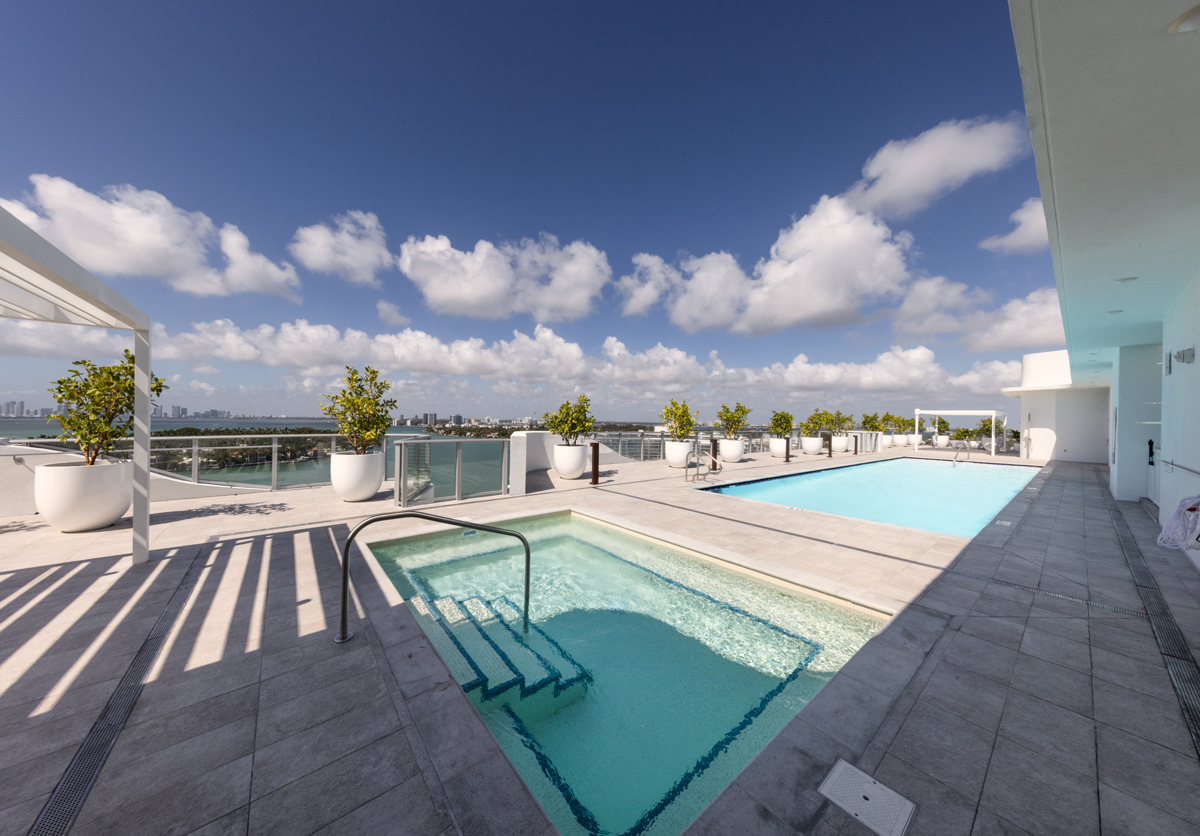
(1189, 21)
(1187, 355)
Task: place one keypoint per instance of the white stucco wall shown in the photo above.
(1181, 401)
(1066, 424)
(1137, 393)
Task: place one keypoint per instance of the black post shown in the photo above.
(712, 449)
(829, 441)
(595, 463)
(856, 445)
(787, 449)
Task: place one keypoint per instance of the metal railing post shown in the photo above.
(195, 460)
(397, 485)
(642, 435)
(274, 462)
(458, 471)
(504, 467)
(404, 475)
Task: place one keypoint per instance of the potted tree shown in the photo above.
(810, 440)
(363, 416)
(941, 436)
(571, 421)
(96, 492)
(889, 424)
(731, 422)
(781, 428)
(680, 423)
(839, 425)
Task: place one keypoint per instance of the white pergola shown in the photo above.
(39, 282)
(938, 413)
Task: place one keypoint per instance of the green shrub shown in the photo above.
(571, 421)
(731, 421)
(872, 422)
(99, 402)
(814, 423)
(360, 410)
(781, 424)
(679, 420)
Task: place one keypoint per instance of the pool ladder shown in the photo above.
(703, 468)
(960, 448)
(344, 635)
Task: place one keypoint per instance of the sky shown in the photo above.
(790, 205)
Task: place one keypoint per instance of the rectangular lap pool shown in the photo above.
(649, 676)
(957, 498)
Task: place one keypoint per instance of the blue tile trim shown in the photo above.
(526, 689)
(584, 674)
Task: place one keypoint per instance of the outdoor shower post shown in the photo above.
(787, 449)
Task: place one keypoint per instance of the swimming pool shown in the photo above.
(650, 678)
(957, 498)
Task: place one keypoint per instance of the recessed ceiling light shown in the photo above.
(1126, 279)
(1189, 21)
(1118, 310)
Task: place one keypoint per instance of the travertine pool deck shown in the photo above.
(989, 705)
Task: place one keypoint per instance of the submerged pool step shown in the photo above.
(460, 666)
(498, 674)
(536, 672)
(573, 676)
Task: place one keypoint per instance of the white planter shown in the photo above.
(73, 496)
(841, 443)
(942, 440)
(570, 460)
(885, 441)
(811, 444)
(354, 477)
(778, 447)
(973, 444)
(676, 452)
(731, 449)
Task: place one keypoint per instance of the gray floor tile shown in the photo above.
(968, 695)
(1051, 730)
(940, 810)
(734, 811)
(404, 810)
(1154, 774)
(1038, 794)
(988, 823)
(1149, 677)
(1160, 721)
(1054, 648)
(1000, 630)
(983, 657)
(1124, 815)
(848, 711)
(944, 747)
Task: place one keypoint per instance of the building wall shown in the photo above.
(1181, 401)
(1066, 425)
(1137, 393)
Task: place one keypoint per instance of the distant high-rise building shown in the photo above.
(430, 419)
(456, 420)
(20, 409)
(174, 410)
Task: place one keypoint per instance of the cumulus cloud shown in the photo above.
(936, 305)
(1032, 322)
(906, 175)
(23, 338)
(125, 231)
(822, 270)
(202, 388)
(538, 277)
(985, 378)
(355, 248)
(389, 312)
(1030, 236)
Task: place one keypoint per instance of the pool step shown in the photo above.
(494, 661)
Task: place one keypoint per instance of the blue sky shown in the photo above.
(501, 205)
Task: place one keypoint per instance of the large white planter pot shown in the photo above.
(676, 452)
(73, 496)
(354, 477)
(973, 444)
(731, 449)
(778, 447)
(570, 460)
(811, 444)
(885, 441)
(942, 440)
(841, 443)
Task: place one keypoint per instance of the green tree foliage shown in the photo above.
(679, 420)
(781, 424)
(99, 402)
(840, 423)
(731, 421)
(814, 423)
(571, 421)
(872, 422)
(360, 410)
(962, 434)
(943, 426)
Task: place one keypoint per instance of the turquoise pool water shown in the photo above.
(680, 669)
(947, 497)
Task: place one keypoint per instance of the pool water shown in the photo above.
(691, 668)
(957, 498)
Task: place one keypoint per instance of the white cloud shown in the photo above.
(355, 250)
(1030, 236)
(935, 305)
(200, 387)
(986, 378)
(906, 175)
(390, 313)
(23, 338)
(1032, 322)
(205, 368)
(125, 231)
(536, 277)
(822, 270)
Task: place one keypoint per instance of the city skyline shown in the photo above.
(504, 208)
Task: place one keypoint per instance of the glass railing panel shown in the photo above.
(482, 468)
(303, 460)
(236, 464)
(418, 485)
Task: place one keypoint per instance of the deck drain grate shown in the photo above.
(64, 804)
(1059, 595)
(880, 809)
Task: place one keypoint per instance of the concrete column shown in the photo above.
(141, 446)
(1136, 397)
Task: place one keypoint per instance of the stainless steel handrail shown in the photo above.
(1170, 463)
(345, 635)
